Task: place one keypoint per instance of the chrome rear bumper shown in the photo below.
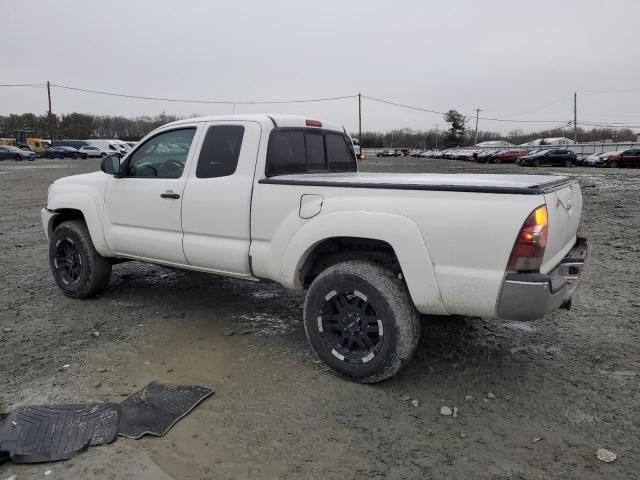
(529, 296)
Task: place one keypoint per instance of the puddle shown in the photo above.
(522, 326)
(263, 294)
(268, 324)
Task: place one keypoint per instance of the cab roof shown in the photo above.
(275, 120)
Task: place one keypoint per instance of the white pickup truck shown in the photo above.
(280, 197)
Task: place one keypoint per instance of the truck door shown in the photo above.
(142, 208)
(216, 208)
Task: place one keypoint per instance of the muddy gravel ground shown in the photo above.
(561, 387)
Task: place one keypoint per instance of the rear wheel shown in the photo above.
(78, 269)
(360, 321)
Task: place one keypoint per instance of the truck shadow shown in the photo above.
(449, 345)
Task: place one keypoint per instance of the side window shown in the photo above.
(340, 154)
(162, 156)
(220, 151)
(286, 153)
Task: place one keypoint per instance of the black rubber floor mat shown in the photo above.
(56, 432)
(156, 408)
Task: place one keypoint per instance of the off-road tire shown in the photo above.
(95, 270)
(393, 306)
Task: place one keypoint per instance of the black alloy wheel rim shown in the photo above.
(67, 261)
(351, 326)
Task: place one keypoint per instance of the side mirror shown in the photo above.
(110, 165)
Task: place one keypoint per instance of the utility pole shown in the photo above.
(437, 125)
(476, 136)
(360, 119)
(575, 117)
(50, 114)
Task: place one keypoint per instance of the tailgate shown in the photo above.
(564, 207)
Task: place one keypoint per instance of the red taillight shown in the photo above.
(528, 251)
(314, 123)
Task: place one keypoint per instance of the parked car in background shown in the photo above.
(64, 152)
(356, 148)
(622, 158)
(595, 159)
(8, 152)
(486, 156)
(507, 156)
(70, 143)
(108, 146)
(123, 146)
(556, 157)
(92, 151)
(530, 152)
(388, 153)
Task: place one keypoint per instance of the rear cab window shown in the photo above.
(303, 150)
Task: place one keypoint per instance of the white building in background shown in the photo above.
(494, 143)
(548, 141)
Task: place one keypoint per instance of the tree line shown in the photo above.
(82, 125)
(458, 134)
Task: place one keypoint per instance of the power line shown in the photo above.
(637, 117)
(38, 85)
(344, 97)
(491, 119)
(607, 125)
(403, 105)
(219, 102)
(610, 91)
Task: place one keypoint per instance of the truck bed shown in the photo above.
(505, 184)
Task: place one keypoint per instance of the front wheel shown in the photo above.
(613, 164)
(360, 321)
(78, 269)
(536, 163)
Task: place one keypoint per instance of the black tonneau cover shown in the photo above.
(501, 184)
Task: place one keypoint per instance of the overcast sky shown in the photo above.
(513, 59)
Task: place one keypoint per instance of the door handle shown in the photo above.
(171, 195)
